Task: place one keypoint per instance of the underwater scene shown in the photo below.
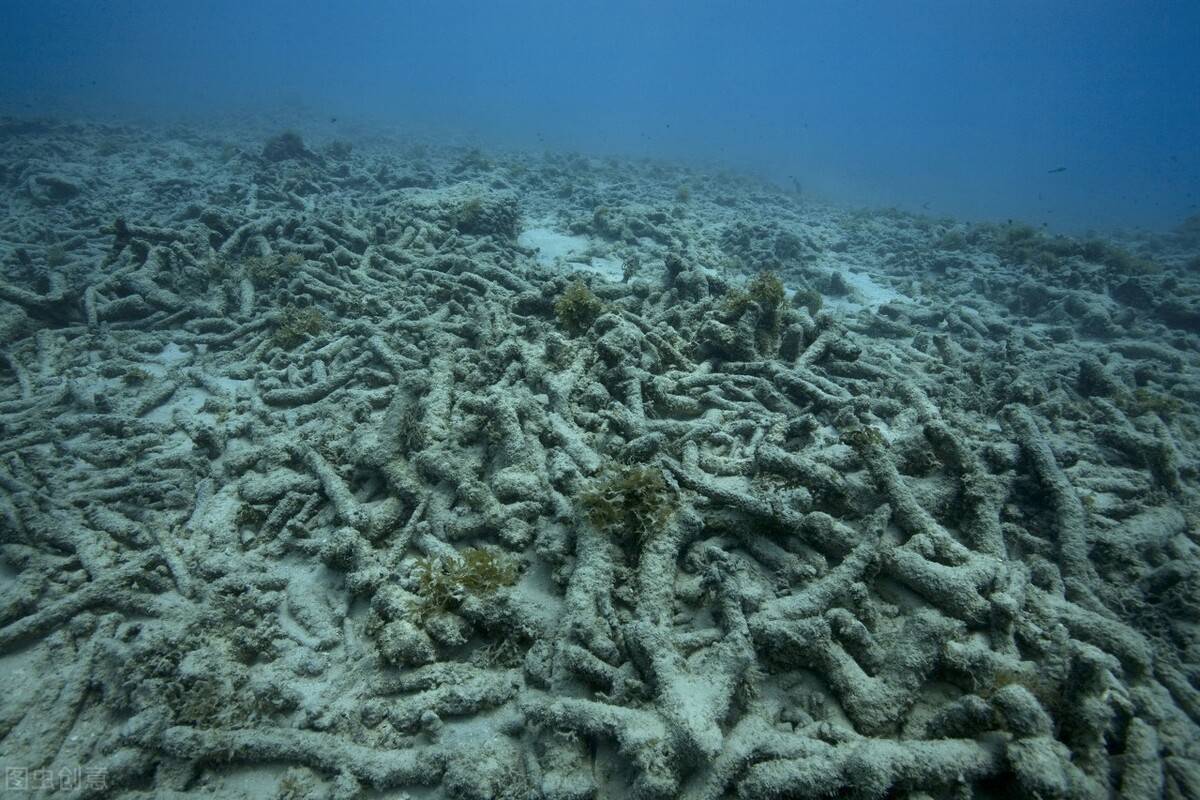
(589, 401)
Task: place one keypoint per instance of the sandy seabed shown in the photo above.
(381, 469)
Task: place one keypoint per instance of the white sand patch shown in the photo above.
(172, 354)
(187, 399)
(552, 246)
(607, 268)
(864, 293)
(569, 253)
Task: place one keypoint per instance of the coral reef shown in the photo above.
(314, 468)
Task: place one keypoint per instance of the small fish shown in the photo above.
(1056, 169)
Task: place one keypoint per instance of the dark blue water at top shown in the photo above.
(1074, 114)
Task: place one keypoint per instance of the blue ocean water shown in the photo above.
(1074, 114)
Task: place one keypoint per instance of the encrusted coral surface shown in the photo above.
(306, 489)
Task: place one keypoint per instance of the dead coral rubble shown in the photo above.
(798, 568)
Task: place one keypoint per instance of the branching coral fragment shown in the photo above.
(338, 472)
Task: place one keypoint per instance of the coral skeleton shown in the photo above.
(334, 467)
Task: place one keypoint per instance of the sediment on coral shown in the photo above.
(352, 483)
